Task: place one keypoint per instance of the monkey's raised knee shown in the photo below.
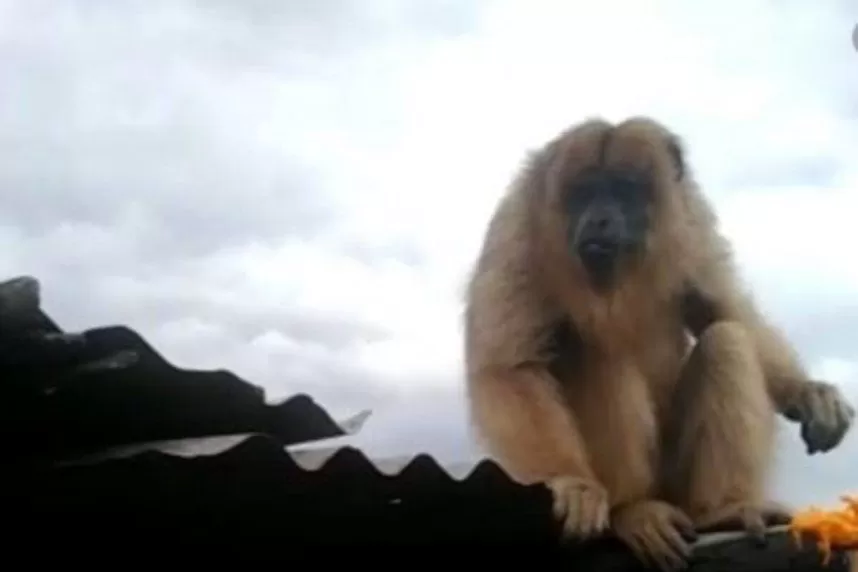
(725, 340)
(725, 358)
(717, 450)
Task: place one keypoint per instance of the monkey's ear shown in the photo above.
(677, 154)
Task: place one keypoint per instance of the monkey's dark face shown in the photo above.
(608, 220)
(617, 192)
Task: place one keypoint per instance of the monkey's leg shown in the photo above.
(656, 531)
(719, 436)
(526, 424)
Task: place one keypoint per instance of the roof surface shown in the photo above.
(108, 442)
(100, 422)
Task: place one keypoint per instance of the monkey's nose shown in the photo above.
(601, 223)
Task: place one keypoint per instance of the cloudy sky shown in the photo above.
(295, 192)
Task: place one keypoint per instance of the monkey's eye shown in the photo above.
(622, 186)
(630, 188)
(579, 194)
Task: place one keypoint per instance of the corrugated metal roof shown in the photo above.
(108, 442)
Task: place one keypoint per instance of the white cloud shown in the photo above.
(297, 194)
(798, 239)
(838, 371)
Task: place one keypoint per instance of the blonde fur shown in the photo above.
(631, 425)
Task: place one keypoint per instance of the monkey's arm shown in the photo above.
(521, 418)
(516, 404)
(820, 407)
(714, 294)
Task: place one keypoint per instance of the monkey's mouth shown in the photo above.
(598, 249)
(598, 252)
(599, 258)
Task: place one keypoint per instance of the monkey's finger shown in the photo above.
(657, 548)
(832, 437)
(835, 423)
(813, 434)
(555, 505)
(596, 509)
(845, 414)
(603, 516)
(593, 511)
(572, 528)
(661, 552)
(559, 496)
(685, 526)
(808, 435)
(586, 514)
(829, 407)
(818, 407)
(810, 413)
(815, 400)
(677, 544)
(572, 516)
(560, 507)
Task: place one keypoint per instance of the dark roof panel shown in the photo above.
(109, 445)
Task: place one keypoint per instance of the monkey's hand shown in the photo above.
(658, 533)
(824, 414)
(581, 504)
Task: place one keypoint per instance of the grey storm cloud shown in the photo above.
(826, 331)
(135, 143)
(118, 122)
(113, 110)
(98, 127)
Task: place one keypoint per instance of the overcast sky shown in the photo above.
(295, 191)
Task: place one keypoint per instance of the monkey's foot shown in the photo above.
(581, 504)
(657, 532)
(752, 518)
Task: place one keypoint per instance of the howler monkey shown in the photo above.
(612, 352)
